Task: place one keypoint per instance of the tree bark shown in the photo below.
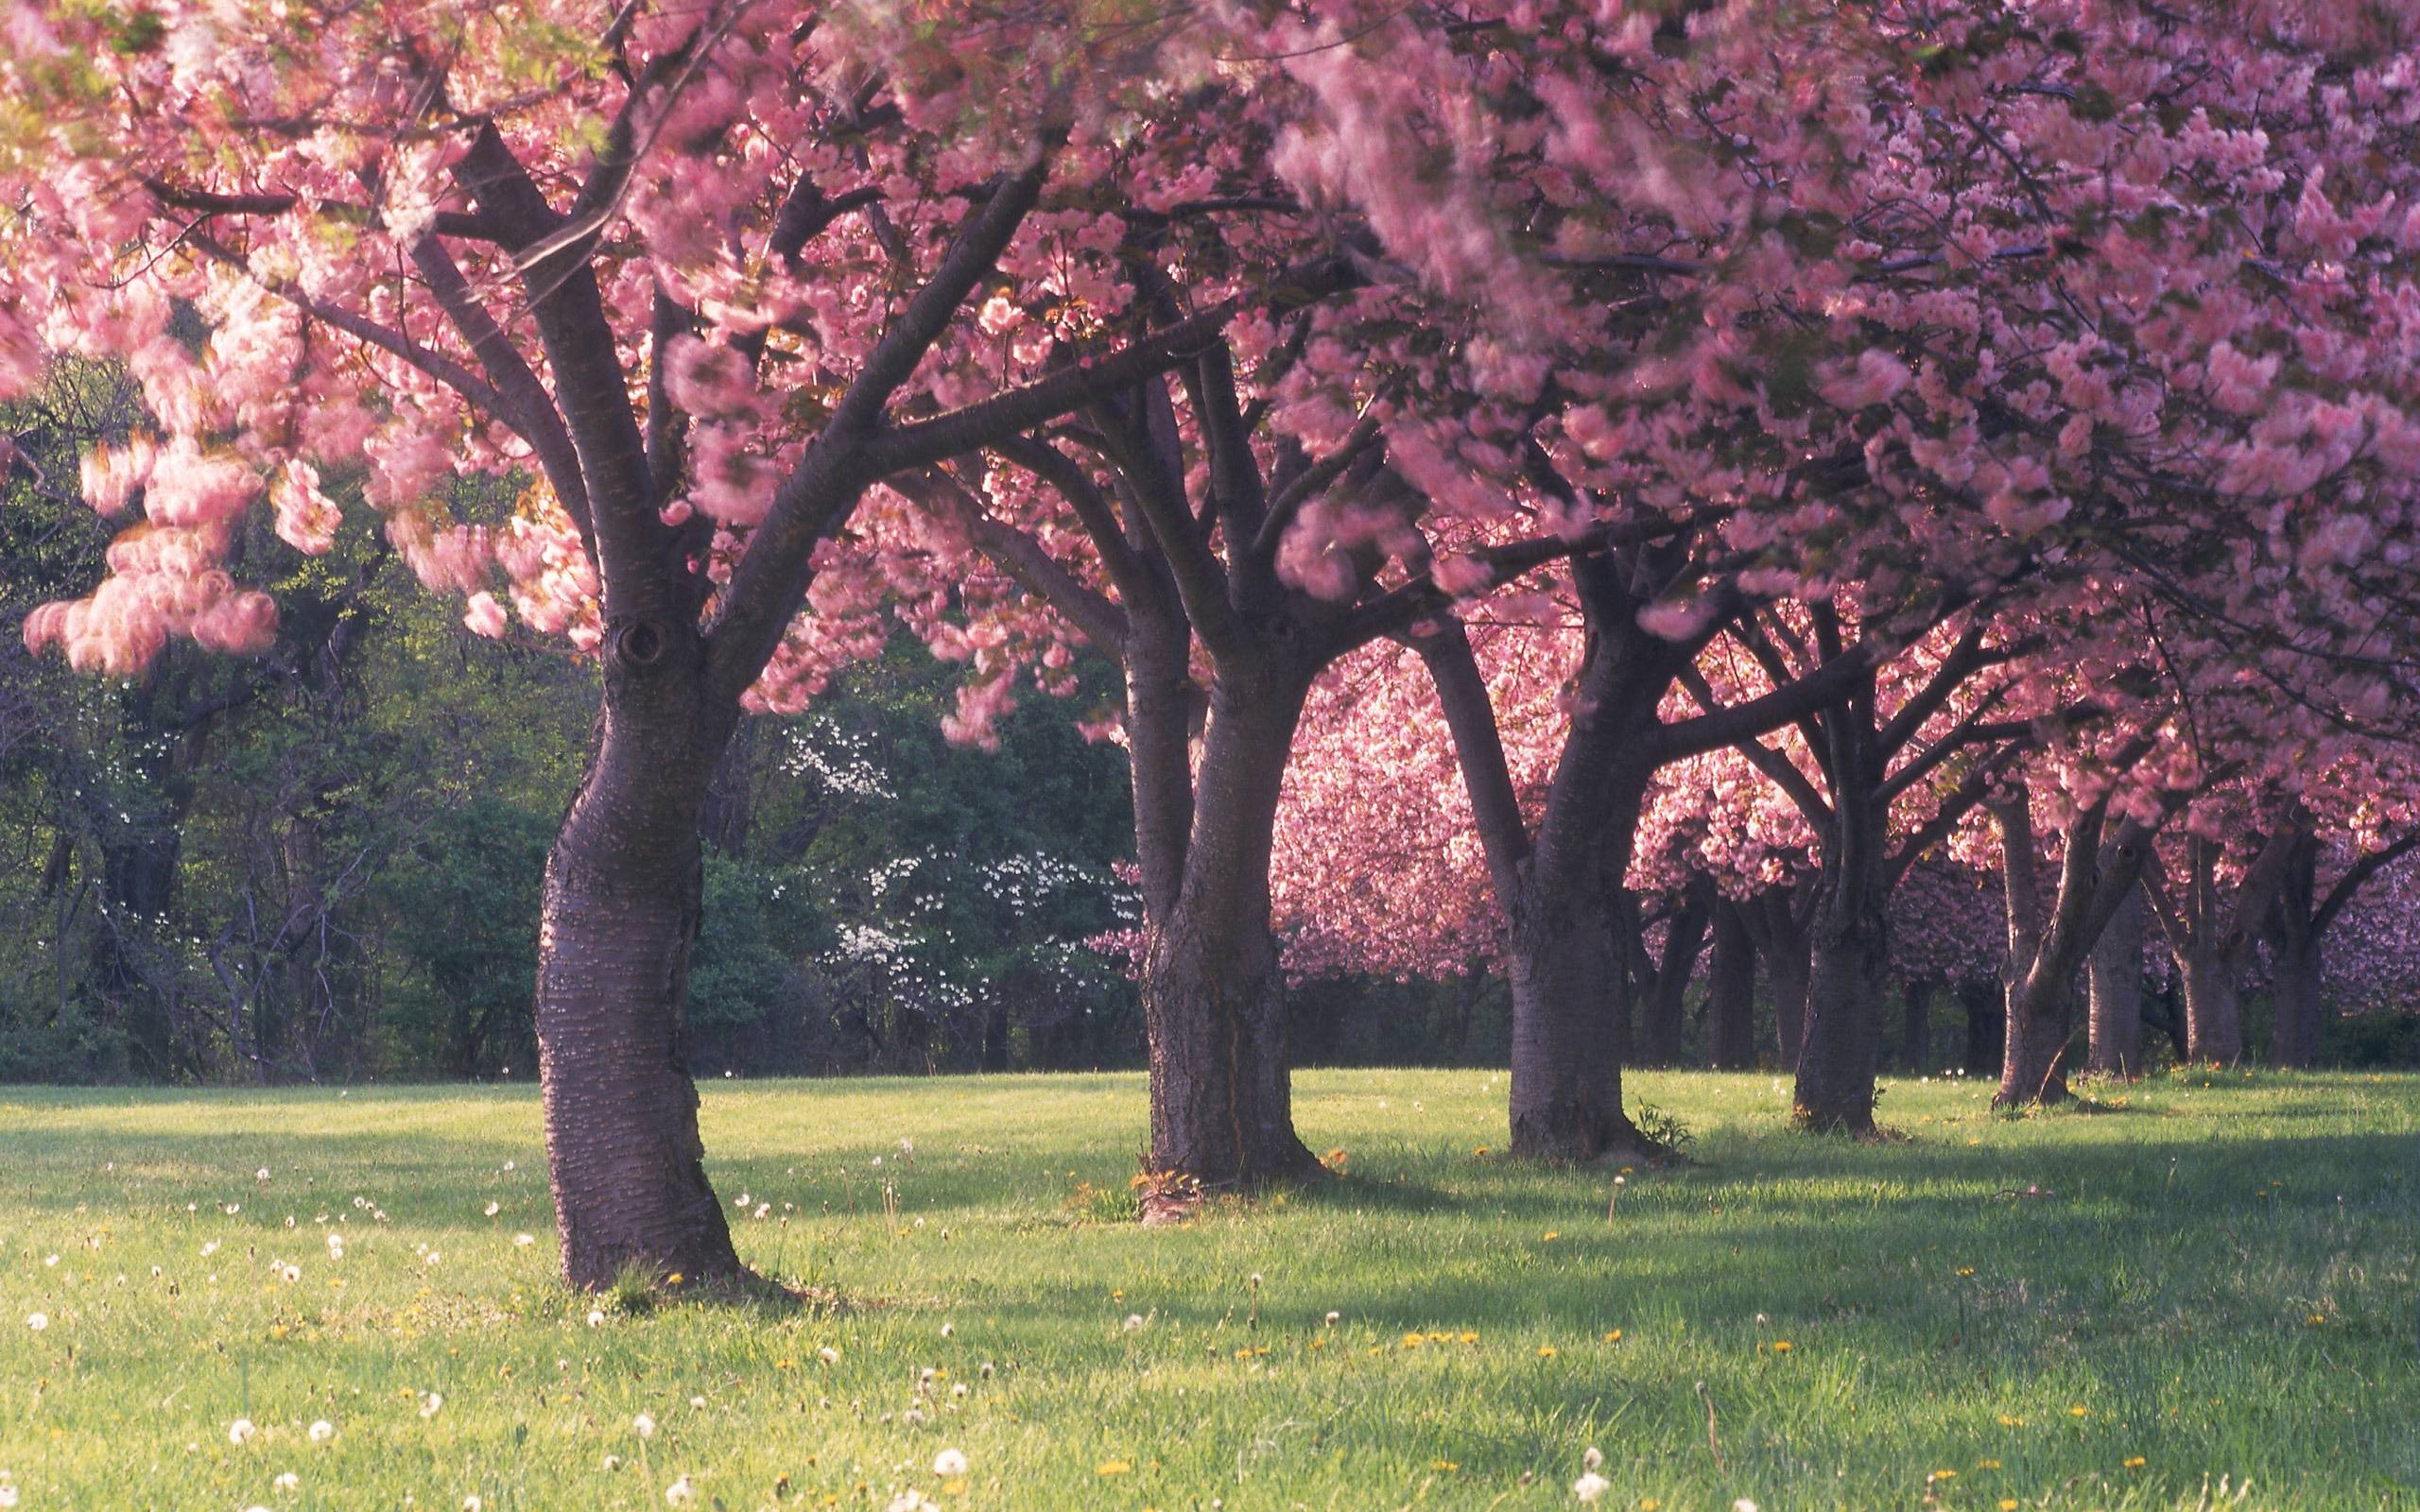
(2213, 1008)
(1214, 997)
(2296, 1011)
(1915, 1000)
(1664, 1015)
(1787, 969)
(2115, 979)
(1731, 990)
(1840, 1044)
(2041, 1020)
(1986, 1008)
(1567, 1073)
(621, 910)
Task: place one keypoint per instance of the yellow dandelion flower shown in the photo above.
(1944, 1475)
(1470, 1335)
(1446, 1465)
(1112, 1467)
(1649, 1504)
(1965, 1270)
(2007, 1503)
(1987, 1464)
(2078, 1412)
(674, 1280)
(1550, 1236)
(2316, 1319)
(2134, 1462)
(1413, 1341)
(1612, 1335)
(1783, 1345)
(1545, 1351)
(2007, 1421)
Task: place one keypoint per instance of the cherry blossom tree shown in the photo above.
(700, 276)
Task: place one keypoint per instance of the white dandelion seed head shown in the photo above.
(643, 1425)
(679, 1493)
(1134, 1321)
(596, 1317)
(286, 1482)
(242, 1431)
(1590, 1486)
(37, 1321)
(1593, 1459)
(828, 1355)
(524, 1241)
(948, 1463)
(430, 1402)
(322, 1432)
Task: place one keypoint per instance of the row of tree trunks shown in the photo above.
(2116, 986)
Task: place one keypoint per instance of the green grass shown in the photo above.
(2212, 1280)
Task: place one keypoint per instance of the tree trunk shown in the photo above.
(2295, 1013)
(1731, 990)
(2213, 1009)
(1566, 1093)
(1916, 1034)
(1986, 1027)
(2041, 1020)
(1214, 997)
(1787, 969)
(1665, 1007)
(1842, 1042)
(621, 909)
(2116, 978)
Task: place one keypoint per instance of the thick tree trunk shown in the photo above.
(2041, 1020)
(1731, 990)
(2116, 978)
(621, 909)
(2213, 1009)
(1214, 997)
(1915, 1002)
(2295, 1010)
(1843, 1040)
(1566, 1093)
(1986, 1026)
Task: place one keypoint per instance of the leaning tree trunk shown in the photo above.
(2115, 976)
(1731, 990)
(1664, 1008)
(2295, 1013)
(2213, 1009)
(1214, 997)
(621, 908)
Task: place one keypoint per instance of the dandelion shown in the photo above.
(1134, 1321)
(679, 1493)
(436, 1257)
(1590, 1486)
(524, 1241)
(261, 1174)
(494, 1208)
(1612, 1335)
(37, 1321)
(321, 1431)
(2078, 1412)
(472, 1504)
(1944, 1475)
(2134, 1462)
(949, 1464)
(1334, 1318)
(828, 1355)
(596, 1317)
(52, 1262)
(1783, 1345)
(1743, 1504)
(241, 1431)
(429, 1403)
(7, 1496)
(643, 1425)
(1112, 1467)
(985, 1370)
(1545, 1351)
(1591, 1458)
(290, 1273)
(948, 1330)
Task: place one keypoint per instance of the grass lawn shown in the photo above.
(2215, 1278)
